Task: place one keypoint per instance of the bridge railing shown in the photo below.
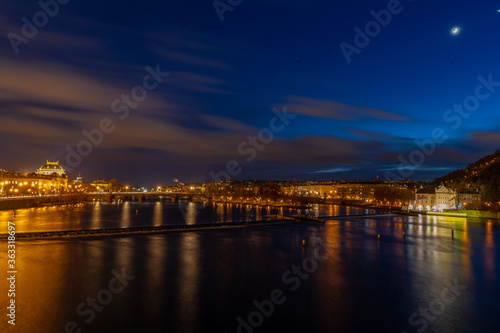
(140, 193)
(37, 196)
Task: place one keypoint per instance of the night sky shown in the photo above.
(353, 117)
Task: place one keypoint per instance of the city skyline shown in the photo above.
(145, 95)
(60, 172)
(250, 166)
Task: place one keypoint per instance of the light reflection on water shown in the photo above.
(99, 215)
(189, 280)
(203, 281)
(96, 217)
(125, 215)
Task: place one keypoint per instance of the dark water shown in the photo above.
(100, 215)
(342, 280)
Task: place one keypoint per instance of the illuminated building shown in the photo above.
(50, 178)
(78, 180)
(443, 198)
(425, 199)
(101, 186)
(451, 199)
(51, 169)
(349, 191)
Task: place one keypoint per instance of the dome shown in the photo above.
(50, 168)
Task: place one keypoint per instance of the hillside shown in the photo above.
(482, 175)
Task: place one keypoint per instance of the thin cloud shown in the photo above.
(320, 108)
(195, 60)
(333, 170)
(418, 167)
(487, 136)
(227, 124)
(372, 135)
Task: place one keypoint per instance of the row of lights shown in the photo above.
(23, 184)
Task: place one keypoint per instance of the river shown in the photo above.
(307, 277)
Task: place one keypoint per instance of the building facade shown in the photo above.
(50, 178)
(51, 169)
(443, 198)
(100, 186)
(425, 199)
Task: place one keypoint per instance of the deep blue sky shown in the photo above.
(353, 120)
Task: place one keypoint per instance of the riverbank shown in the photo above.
(469, 214)
(40, 201)
(388, 209)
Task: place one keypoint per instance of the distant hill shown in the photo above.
(482, 175)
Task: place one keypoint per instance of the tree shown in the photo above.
(114, 185)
